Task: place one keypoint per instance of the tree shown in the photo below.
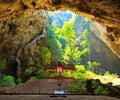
(53, 44)
(92, 65)
(85, 43)
(71, 53)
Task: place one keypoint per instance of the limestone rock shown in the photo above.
(106, 12)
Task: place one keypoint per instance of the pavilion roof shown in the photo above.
(65, 66)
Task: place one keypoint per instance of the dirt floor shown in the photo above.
(51, 97)
(44, 90)
(46, 86)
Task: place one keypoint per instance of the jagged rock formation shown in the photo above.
(106, 12)
(19, 36)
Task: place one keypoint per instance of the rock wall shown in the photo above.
(103, 11)
(18, 37)
(102, 54)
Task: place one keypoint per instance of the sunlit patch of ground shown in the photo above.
(107, 79)
(104, 79)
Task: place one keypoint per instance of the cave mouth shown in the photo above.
(74, 41)
(67, 39)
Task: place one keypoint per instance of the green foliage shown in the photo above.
(84, 43)
(83, 73)
(45, 56)
(3, 63)
(10, 80)
(86, 75)
(30, 62)
(18, 81)
(51, 73)
(66, 32)
(35, 68)
(32, 79)
(29, 70)
(107, 73)
(85, 34)
(31, 67)
(54, 26)
(92, 65)
(79, 87)
(55, 47)
(80, 69)
(101, 90)
(87, 19)
(40, 73)
(85, 51)
(3, 83)
(71, 52)
(68, 74)
(6, 80)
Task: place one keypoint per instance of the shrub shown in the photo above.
(80, 68)
(51, 73)
(6, 80)
(31, 79)
(101, 90)
(19, 80)
(79, 87)
(10, 80)
(29, 70)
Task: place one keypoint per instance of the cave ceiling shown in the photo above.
(106, 12)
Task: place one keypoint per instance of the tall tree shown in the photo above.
(71, 53)
(53, 43)
(85, 43)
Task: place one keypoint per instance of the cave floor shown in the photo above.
(43, 89)
(42, 86)
(49, 97)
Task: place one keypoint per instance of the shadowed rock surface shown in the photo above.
(106, 12)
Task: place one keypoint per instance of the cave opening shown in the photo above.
(67, 39)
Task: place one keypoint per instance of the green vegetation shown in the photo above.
(32, 79)
(66, 42)
(79, 87)
(6, 80)
(68, 74)
(33, 70)
(107, 73)
(101, 90)
(3, 63)
(84, 87)
(51, 73)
